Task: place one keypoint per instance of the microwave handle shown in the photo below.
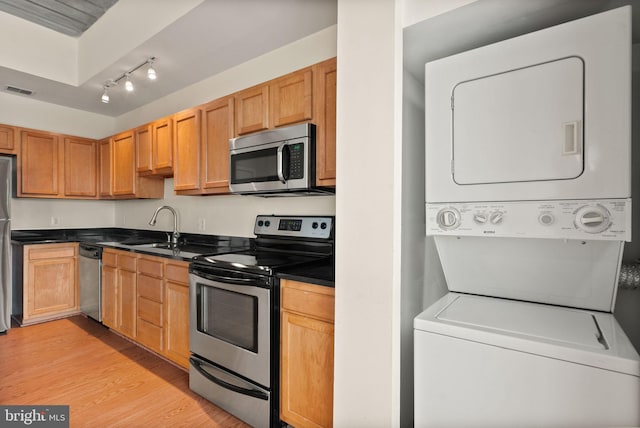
(283, 162)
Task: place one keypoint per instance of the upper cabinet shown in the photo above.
(8, 142)
(324, 106)
(187, 150)
(80, 168)
(290, 98)
(118, 178)
(154, 148)
(252, 109)
(40, 166)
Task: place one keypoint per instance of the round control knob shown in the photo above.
(267, 223)
(260, 223)
(448, 218)
(496, 217)
(593, 218)
(480, 218)
(546, 219)
(314, 225)
(323, 225)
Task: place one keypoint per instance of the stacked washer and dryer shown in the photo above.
(528, 198)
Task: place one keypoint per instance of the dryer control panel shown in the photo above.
(602, 219)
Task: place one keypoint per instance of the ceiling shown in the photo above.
(212, 37)
(70, 17)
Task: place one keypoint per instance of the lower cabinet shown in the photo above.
(306, 354)
(147, 299)
(50, 282)
(119, 285)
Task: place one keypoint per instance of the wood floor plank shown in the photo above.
(106, 380)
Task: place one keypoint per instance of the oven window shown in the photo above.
(255, 166)
(228, 316)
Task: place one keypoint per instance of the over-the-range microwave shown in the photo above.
(281, 161)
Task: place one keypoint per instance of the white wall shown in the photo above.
(31, 213)
(231, 215)
(367, 279)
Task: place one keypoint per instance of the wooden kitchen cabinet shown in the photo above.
(40, 165)
(50, 282)
(8, 136)
(176, 306)
(80, 168)
(186, 174)
(150, 318)
(306, 348)
(117, 170)
(144, 157)
(324, 99)
(119, 288)
(290, 98)
(252, 109)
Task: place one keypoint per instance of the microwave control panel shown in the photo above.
(300, 227)
(604, 219)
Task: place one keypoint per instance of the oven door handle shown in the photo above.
(235, 388)
(229, 280)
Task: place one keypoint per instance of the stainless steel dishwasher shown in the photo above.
(90, 276)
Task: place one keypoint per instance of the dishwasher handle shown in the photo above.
(90, 251)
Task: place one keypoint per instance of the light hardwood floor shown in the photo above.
(106, 380)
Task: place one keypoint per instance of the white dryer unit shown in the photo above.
(528, 178)
(546, 115)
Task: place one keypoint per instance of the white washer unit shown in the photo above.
(528, 200)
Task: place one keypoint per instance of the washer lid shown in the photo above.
(573, 335)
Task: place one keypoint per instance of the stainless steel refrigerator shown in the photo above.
(5, 243)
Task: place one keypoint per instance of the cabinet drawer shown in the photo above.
(151, 267)
(150, 311)
(109, 259)
(177, 272)
(50, 252)
(312, 300)
(127, 262)
(149, 335)
(150, 288)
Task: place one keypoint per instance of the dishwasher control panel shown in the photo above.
(602, 219)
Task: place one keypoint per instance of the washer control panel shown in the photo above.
(602, 219)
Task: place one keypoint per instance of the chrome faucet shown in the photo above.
(176, 234)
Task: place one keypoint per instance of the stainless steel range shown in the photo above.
(234, 313)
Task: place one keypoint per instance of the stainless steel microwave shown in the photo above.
(281, 161)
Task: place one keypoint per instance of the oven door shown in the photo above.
(230, 321)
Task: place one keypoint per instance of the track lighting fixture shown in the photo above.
(128, 85)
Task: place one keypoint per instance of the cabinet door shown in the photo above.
(8, 136)
(109, 296)
(217, 130)
(177, 322)
(186, 174)
(80, 167)
(306, 388)
(252, 109)
(162, 143)
(123, 180)
(324, 98)
(40, 164)
(291, 98)
(50, 282)
(127, 302)
(144, 158)
(104, 168)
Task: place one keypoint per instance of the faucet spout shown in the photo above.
(175, 235)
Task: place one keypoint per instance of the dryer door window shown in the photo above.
(521, 125)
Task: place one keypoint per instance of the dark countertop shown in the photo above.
(129, 239)
(320, 273)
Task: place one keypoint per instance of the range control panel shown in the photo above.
(603, 219)
(295, 226)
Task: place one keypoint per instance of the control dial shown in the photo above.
(480, 218)
(496, 217)
(448, 218)
(593, 218)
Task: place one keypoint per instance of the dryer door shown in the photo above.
(520, 125)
